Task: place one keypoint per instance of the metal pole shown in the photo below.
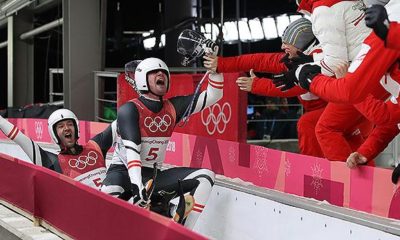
(212, 17)
(221, 36)
(3, 44)
(51, 87)
(41, 29)
(3, 23)
(237, 26)
(10, 61)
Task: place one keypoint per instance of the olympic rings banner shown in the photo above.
(224, 120)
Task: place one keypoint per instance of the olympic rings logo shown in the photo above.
(217, 119)
(83, 161)
(158, 123)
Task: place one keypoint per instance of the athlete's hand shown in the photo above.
(376, 18)
(286, 80)
(341, 69)
(356, 159)
(305, 74)
(246, 83)
(140, 196)
(210, 47)
(211, 62)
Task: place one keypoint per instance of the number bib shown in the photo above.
(88, 167)
(155, 130)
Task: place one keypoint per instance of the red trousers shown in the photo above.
(309, 144)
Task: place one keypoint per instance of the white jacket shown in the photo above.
(393, 10)
(340, 28)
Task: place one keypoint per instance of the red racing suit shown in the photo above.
(270, 62)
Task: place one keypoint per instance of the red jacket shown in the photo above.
(365, 72)
(268, 62)
(393, 37)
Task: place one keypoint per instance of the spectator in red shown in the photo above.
(297, 40)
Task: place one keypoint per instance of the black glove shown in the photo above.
(286, 80)
(296, 61)
(396, 174)
(288, 63)
(139, 196)
(306, 74)
(376, 18)
(302, 59)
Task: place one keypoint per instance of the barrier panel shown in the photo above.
(226, 119)
(366, 188)
(77, 210)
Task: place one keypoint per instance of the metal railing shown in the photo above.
(99, 94)
(52, 72)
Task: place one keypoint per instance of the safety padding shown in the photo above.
(365, 188)
(78, 210)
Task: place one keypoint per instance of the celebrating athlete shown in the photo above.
(145, 126)
(85, 164)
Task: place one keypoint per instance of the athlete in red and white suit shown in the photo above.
(85, 164)
(145, 125)
(340, 40)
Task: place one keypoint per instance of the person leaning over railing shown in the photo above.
(376, 66)
(298, 42)
(85, 164)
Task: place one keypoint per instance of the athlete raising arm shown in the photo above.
(85, 164)
(145, 125)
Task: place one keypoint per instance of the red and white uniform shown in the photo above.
(340, 28)
(340, 41)
(375, 66)
(87, 167)
(145, 127)
(155, 131)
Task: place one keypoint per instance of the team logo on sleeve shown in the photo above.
(84, 160)
(158, 124)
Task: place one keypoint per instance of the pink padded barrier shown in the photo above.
(79, 211)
